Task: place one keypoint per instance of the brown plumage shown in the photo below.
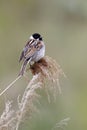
(34, 50)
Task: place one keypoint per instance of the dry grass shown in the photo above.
(49, 72)
(61, 124)
(45, 72)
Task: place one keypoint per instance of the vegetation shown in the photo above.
(63, 25)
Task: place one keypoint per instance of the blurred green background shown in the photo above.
(63, 25)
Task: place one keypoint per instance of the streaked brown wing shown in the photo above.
(27, 52)
(30, 49)
(26, 48)
(30, 52)
(29, 43)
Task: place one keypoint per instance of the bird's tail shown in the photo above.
(23, 67)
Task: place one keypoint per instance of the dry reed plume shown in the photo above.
(45, 71)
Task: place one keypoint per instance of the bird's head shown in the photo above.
(36, 36)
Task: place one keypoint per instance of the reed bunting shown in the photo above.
(33, 51)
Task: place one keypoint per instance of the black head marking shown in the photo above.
(37, 36)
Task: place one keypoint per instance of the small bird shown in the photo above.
(33, 51)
